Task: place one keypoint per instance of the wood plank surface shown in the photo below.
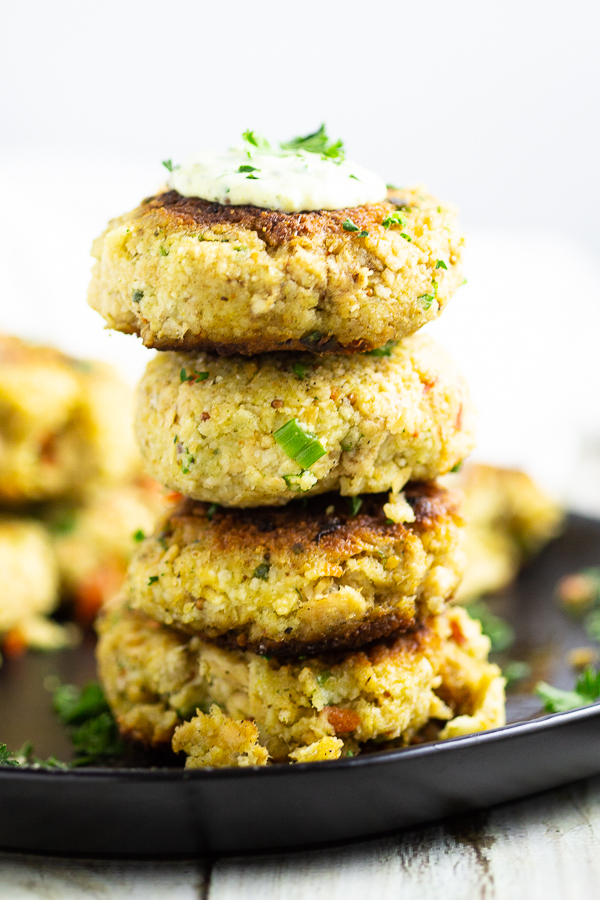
(542, 848)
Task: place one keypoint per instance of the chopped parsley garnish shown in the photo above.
(262, 571)
(252, 177)
(94, 733)
(293, 483)
(440, 264)
(317, 142)
(406, 237)
(355, 504)
(364, 234)
(139, 536)
(211, 511)
(299, 443)
(194, 378)
(427, 299)
(152, 580)
(500, 633)
(349, 225)
(163, 251)
(168, 165)
(394, 218)
(587, 691)
(257, 140)
(457, 467)
(300, 370)
(137, 295)
(248, 169)
(386, 350)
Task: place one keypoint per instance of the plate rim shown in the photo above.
(179, 775)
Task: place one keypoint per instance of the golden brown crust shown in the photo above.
(188, 274)
(303, 579)
(272, 226)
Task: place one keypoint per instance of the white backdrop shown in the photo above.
(491, 105)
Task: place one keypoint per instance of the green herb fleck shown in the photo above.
(386, 350)
(163, 251)
(300, 370)
(293, 483)
(458, 466)
(247, 169)
(194, 378)
(262, 571)
(152, 580)
(168, 165)
(211, 511)
(299, 443)
(355, 504)
(96, 737)
(440, 264)
(587, 691)
(349, 225)
(317, 142)
(406, 237)
(427, 299)
(394, 218)
(364, 234)
(349, 753)
(323, 677)
(139, 536)
(257, 140)
(137, 295)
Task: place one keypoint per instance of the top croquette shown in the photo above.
(187, 274)
(65, 424)
(211, 427)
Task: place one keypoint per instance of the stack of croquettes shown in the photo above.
(295, 605)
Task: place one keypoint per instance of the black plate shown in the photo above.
(173, 812)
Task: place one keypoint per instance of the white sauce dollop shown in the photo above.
(290, 181)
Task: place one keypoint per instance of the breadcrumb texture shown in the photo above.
(217, 740)
(302, 578)
(509, 519)
(317, 708)
(184, 273)
(65, 424)
(29, 587)
(206, 424)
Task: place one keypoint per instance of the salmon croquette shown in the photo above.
(189, 274)
(233, 707)
(331, 573)
(258, 432)
(65, 424)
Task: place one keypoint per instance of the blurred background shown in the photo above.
(492, 106)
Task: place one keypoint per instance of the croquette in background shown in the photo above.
(65, 425)
(509, 519)
(187, 274)
(215, 428)
(158, 681)
(71, 496)
(330, 573)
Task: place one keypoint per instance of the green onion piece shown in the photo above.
(262, 571)
(299, 443)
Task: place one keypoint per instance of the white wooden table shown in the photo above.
(542, 848)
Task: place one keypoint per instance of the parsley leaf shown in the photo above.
(349, 225)
(167, 163)
(300, 370)
(138, 536)
(587, 691)
(355, 504)
(137, 295)
(317, 142)
(257, 140)
(440, 264)
(247, 169)
(152, 580)
(94, 732)
(427, 299)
